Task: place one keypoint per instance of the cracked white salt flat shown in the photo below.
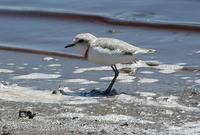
(37, 76)
(80, 81)
(48, 58)
(23, 94)
(147, 80)
(189, 128)
(54, 65)
(167, 101)
(6, 71)
(116, 118)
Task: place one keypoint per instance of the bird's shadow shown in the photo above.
(92, 93)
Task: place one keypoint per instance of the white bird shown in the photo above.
(106, 51)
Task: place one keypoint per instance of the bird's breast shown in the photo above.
(106, 58)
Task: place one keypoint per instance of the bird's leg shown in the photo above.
(108, 90)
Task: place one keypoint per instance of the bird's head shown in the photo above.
(82, 40)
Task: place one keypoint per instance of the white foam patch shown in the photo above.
(146, 72)
(35, 68)
(126, 81)
(48, 58)
(146, 94)
(185, 77)
(10, 64)
(167, 101)
(197, 81)
(37, 76)
(105, 68)
(6, 71)
(81, 70)
(80, 81)
(54, 65)
(23, 94)
(168, 68)
(167, 71)
(147, 80)
(181, 64)
(81, 89)
(198, 52)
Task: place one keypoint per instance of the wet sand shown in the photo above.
(144, 105)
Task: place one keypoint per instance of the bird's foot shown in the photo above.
(95, 92)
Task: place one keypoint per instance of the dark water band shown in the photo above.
(99, 19)
(40, 52)
(68, 56)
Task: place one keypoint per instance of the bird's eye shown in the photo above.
(80, 41)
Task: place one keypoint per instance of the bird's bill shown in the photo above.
(70, 45)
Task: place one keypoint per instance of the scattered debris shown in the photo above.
(5, 130)
(124, 124)
(26, 112)
(75, 118)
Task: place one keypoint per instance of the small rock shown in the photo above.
(193, 93)
(126, 70)
(58, 92)
(75, 118)
(5, 130)
(124, 124)
(103, 131)
(27, 112)
(152, 63)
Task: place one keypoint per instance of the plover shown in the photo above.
(106, 51)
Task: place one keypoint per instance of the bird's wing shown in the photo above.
(118, 46)
(114, 46)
